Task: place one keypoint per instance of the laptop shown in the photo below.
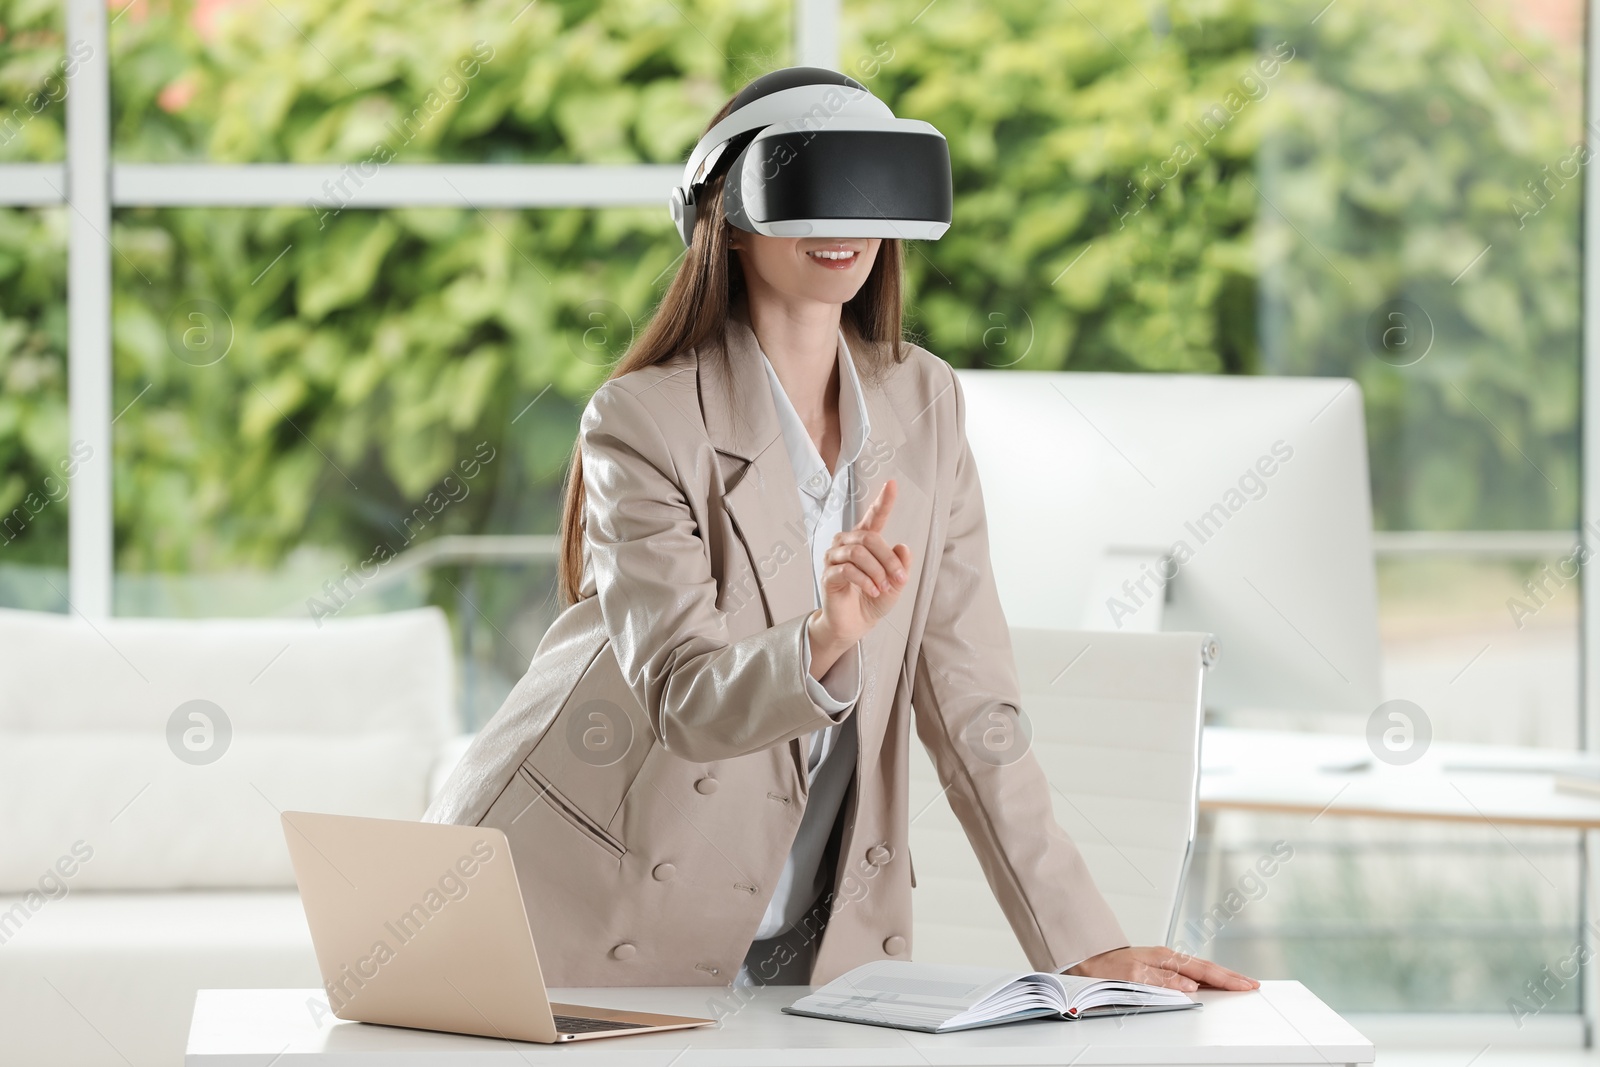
(422, 925)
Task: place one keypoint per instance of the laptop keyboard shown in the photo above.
(577, 1024)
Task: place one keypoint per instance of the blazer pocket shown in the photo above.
(596, 742)
(547, 793)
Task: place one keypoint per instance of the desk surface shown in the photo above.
(1281, 1023)
(1335, 774)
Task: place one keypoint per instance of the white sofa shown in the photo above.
(136, 868)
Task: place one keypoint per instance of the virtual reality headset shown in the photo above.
(809, 152)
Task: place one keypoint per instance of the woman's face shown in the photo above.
(807, 268)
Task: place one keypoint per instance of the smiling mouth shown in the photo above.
(836, 258)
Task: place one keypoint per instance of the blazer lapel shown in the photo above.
(886, 456)
(883, 458)
(762, 498)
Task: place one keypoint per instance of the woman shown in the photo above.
(775, 564)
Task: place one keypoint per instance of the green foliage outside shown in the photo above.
(33, 81)
(33, 313)
(368, 352)
(1098, 208)
(33, 385)
(383, 347)
(1426, 159)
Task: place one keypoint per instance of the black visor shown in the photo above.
(843, 183)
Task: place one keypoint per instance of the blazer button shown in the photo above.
(663, 871)
(894, 945)
(706, 785)
(878, 855)
(626, 951)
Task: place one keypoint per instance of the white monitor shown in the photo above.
(1250, 493)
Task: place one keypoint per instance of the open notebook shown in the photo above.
(936, 998)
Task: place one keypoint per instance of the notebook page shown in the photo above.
(898, 992)
(1082, 994)
(1028, 995)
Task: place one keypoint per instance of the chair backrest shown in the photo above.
(1116, 726)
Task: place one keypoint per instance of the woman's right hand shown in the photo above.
(860, 585)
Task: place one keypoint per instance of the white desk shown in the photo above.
(1335, 774)
(1282, 1023)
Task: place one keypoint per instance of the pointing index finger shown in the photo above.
(878, 513)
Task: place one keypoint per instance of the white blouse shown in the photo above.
(826, 501)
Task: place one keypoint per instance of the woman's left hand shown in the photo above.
(1156, 965)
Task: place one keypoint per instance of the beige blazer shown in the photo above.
(649, 768)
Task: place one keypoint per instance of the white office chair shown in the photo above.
(1116, 723)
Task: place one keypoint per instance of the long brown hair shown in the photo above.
(694, 311)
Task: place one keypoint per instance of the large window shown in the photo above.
(1388, 193)
(1421, 187)
(352, 253)
(311, 337)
